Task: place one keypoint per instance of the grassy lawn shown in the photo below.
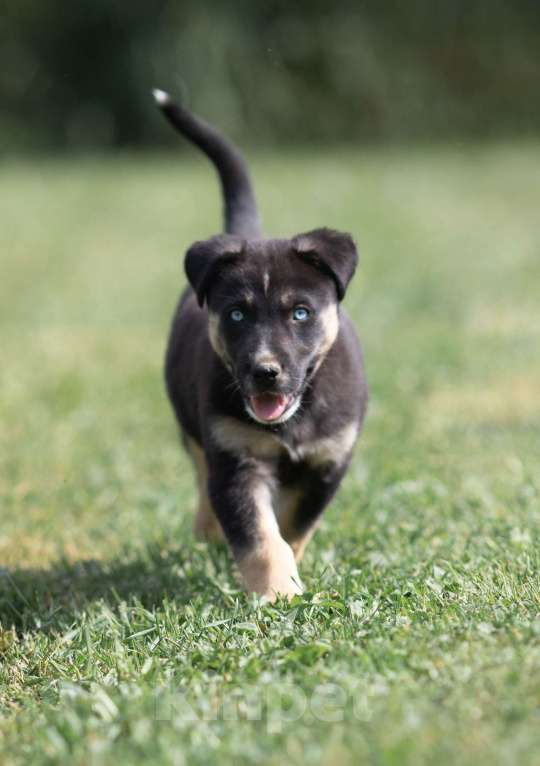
(124, 642)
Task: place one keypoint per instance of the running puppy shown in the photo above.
(264, 372)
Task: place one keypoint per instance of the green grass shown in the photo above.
(418, 641)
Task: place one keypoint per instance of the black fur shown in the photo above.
(241, 216)
(265, 281)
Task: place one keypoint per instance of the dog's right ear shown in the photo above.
(204, 260)
(332, 252)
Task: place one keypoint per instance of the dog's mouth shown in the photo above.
(270, 407)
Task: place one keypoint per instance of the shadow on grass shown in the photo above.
(49, 599)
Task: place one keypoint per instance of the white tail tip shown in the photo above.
(162, 98)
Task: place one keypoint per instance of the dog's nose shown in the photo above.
(266, 373)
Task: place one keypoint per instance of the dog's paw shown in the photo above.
(287, 590)
(271, 571)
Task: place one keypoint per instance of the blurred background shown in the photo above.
(76, 76)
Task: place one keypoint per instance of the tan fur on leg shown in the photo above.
(206, 527)
(287, 507)
(299, 542)
(269, 568)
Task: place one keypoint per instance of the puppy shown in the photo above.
(265, 375)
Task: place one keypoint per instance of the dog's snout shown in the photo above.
(266, 373)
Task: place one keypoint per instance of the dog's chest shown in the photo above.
(297, 447)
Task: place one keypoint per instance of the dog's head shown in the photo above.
(273, 310)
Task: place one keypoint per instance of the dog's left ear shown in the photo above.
(204, 260)
(332, 252)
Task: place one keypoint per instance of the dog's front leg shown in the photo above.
(240, 490)
(302, 505)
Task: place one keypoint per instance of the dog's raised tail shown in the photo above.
(241, 216)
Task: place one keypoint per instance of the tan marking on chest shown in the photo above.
(234, 436)
(329, 449)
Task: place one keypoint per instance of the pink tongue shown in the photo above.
(269, 406)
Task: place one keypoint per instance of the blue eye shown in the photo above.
(236, 315)
(300, 314)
